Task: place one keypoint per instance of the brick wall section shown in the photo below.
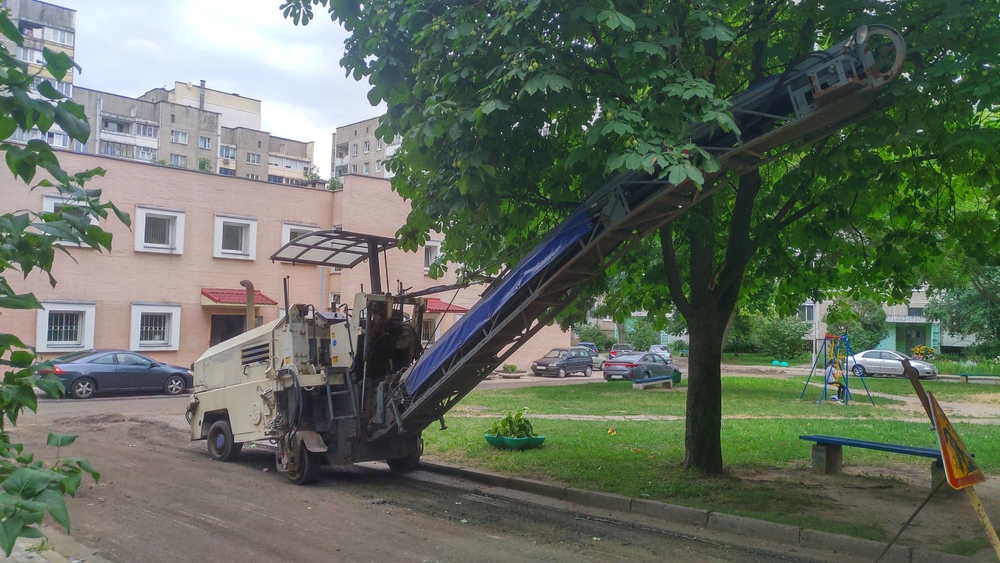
(368, 205)
(116, 280)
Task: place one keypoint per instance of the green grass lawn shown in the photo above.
(741, 396)
(760, 359)
(943, 390)
(643, 458)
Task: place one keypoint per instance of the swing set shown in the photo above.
(839, 347)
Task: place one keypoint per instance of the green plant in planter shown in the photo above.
(509, 368)
(513, 425)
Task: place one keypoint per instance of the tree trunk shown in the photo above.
(703, 432)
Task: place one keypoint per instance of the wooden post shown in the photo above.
(991, 534)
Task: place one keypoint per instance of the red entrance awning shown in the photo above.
(435, 305)
(219, 296)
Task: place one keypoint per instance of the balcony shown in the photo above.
(907, 319)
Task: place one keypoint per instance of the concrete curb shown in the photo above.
(712, 521)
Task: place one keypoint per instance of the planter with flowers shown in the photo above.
(514, 431)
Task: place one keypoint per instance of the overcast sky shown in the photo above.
(244, 46)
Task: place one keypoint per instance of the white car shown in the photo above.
(663, 351)
(887, 362)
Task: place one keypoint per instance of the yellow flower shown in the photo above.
(612, 432)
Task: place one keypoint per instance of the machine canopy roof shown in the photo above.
(340, 249)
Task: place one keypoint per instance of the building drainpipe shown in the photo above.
(201, 96)
(251, 317)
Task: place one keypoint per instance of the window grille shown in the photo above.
(64, 327)
(153, 328)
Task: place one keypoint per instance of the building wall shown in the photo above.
(116, 280)
(234, 110)
(343, 159)
(368, 205)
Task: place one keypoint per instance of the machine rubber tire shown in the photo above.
(83, 388)
(221, 445)
(309, 472)
(175, 385)
(601, 367)
(859, 370)
(561, 373)
(408, 463)
(588, 371)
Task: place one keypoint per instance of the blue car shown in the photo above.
(88, 372)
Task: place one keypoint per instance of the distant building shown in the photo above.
(356, 150)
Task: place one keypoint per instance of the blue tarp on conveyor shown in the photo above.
(562, 238)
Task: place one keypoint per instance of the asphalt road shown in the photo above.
(161, 498)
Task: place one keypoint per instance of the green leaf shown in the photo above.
(10, 31)
(46, 89)
(26, 301)
(21, 358)
(57, 63)
(56, 505)
(57, 440)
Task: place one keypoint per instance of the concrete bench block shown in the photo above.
(827, 460)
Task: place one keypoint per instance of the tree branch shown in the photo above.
(672, 272)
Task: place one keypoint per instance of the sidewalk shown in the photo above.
(62, 549)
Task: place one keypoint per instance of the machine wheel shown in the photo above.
(601, 367)
(562, 372)
(408, 463)
(221, 445)
(588, 371)
(83, 388)
(174, 385)
(308, 472)
(859, 370)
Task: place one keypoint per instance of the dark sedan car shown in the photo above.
(561, 361)
(87, 372)
(639, 366)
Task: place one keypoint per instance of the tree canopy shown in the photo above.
(511, 112)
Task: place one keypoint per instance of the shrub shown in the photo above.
(641, 334)
(509, 367)
(593, 333)
(780, 337)
(513, 425)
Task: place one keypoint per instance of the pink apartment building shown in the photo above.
(170, 288)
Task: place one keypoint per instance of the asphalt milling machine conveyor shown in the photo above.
(356, 385)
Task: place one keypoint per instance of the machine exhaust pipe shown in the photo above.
(251, 316)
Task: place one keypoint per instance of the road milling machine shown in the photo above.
(355, 384)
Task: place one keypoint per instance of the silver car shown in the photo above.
(887, 362)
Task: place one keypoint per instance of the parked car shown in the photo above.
(88, 372)
(887, 362)
(590, 345)
(638, 366)
(620, 349)
(662, 350)
(563, 361)
(597, 360)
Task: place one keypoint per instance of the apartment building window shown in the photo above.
(354, 169)
(179, 137)
(178, 160)
(915, 311)
(431, 252)
(335, 269)
(227, 171)
(367, 167)
(154, 326)
(117, 126)
(235, 237)
(63, 326)
(334, 301)
(368, 147)
(378, 144)
(145, 153)
(59, 36)
(33, 56)
(354, 149)
(291, 231)
(275, 179)
(253, 177)
(378, 165)
(273, 160)
(57, 139)
(253, 158)
(204, 143)
(117, 149)
(427, 330)
(806, 312)
(81, 147)
(258, 144)
(159, 230)
(227, 152)
(144, 130)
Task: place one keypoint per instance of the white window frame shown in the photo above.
(378, 144)
(378, 165)
(179, 137)
(436, 244)
(87, 309)
(354, 149)
(367, 168)
(173, 328)
(288, 226)
(228, 150)
(204, 142)
(181, 160)
(368, 147)
(177, 235)
(249, 237)
(253, 158)
(49, 203)
(253, 176)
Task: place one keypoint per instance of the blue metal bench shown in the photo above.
(664, 380)
(828, 456)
